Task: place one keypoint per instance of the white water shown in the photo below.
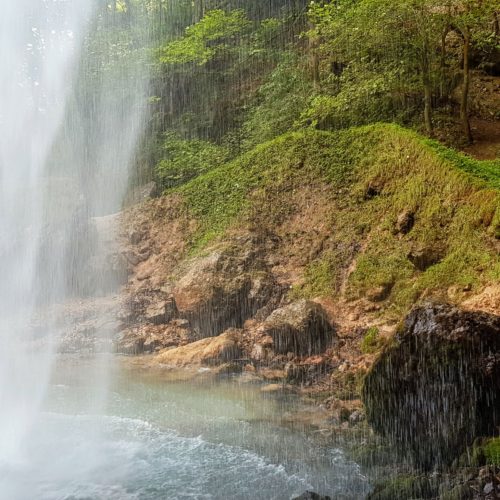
(59, 166)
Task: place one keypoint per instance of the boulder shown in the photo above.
(437, 386)
(161, 312)
(212, 351)
(222, 289)
(301, 328)
(405, 222)
(148, 338)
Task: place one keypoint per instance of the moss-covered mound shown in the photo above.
(400, 215)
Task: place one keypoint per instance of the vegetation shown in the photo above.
(373, 175)
(252, 105)
(371, 341)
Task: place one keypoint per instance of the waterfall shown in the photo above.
(68, 130)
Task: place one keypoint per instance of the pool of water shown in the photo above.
(108, 432)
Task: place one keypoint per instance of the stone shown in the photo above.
(356, 417)
(405, 222)
(212, 351)
(221, 290)
(424, 258)
(379, 293)
(161, 312)
(437, 387)
(149, 338)
(488, 488)
(302, 328)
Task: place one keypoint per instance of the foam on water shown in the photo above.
(159, 439)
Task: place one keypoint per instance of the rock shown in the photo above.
(437, 387)
(107, 266)
(135, 236)
(148, 338)
(310, 495)
(141, 193)
(488, 488)
(276, 388)
(379, 293)
(161, 312)
(404, 487)
(301, 328)
(426, 257)
(405, 222)
(356, 417)
(210, 351)
(307, 371)
(223, 289)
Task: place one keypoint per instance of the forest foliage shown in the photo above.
(227, 75)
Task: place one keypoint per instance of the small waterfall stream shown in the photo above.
(67, 137)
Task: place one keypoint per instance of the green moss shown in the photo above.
(368, 176)
(488, 170)
(484, 451)
(320, 278)
(491, 451)
(282, 165)
(404, 486)
(379, 270)
(371, 341)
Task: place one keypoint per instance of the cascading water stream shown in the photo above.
(66, 141)
(39, 47)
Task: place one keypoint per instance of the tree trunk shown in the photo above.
(444, 35)
(428, 107)
(464, 103)
(314, 59)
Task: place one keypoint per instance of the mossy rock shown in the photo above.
(405, 486)
(484, 451)
(373, 454)
(438, 386)
(459, 492)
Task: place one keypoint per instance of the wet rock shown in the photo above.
(379, 293)
(223, 289)
(210, 351)
(135, 236)
(161, 312)
(426, 257)
(310, 495)
(405, 222)
(107, 267)
(437, 386)
(307, 371)
(301, 328)
(148, 338)
(488, 488)
(356, 417)
(404, 487)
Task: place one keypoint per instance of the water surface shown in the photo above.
(120, 434)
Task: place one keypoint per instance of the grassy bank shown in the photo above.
(421, 218)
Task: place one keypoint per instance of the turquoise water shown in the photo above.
(120, 434)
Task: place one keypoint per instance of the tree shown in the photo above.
(384, 37)
(474, 21)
